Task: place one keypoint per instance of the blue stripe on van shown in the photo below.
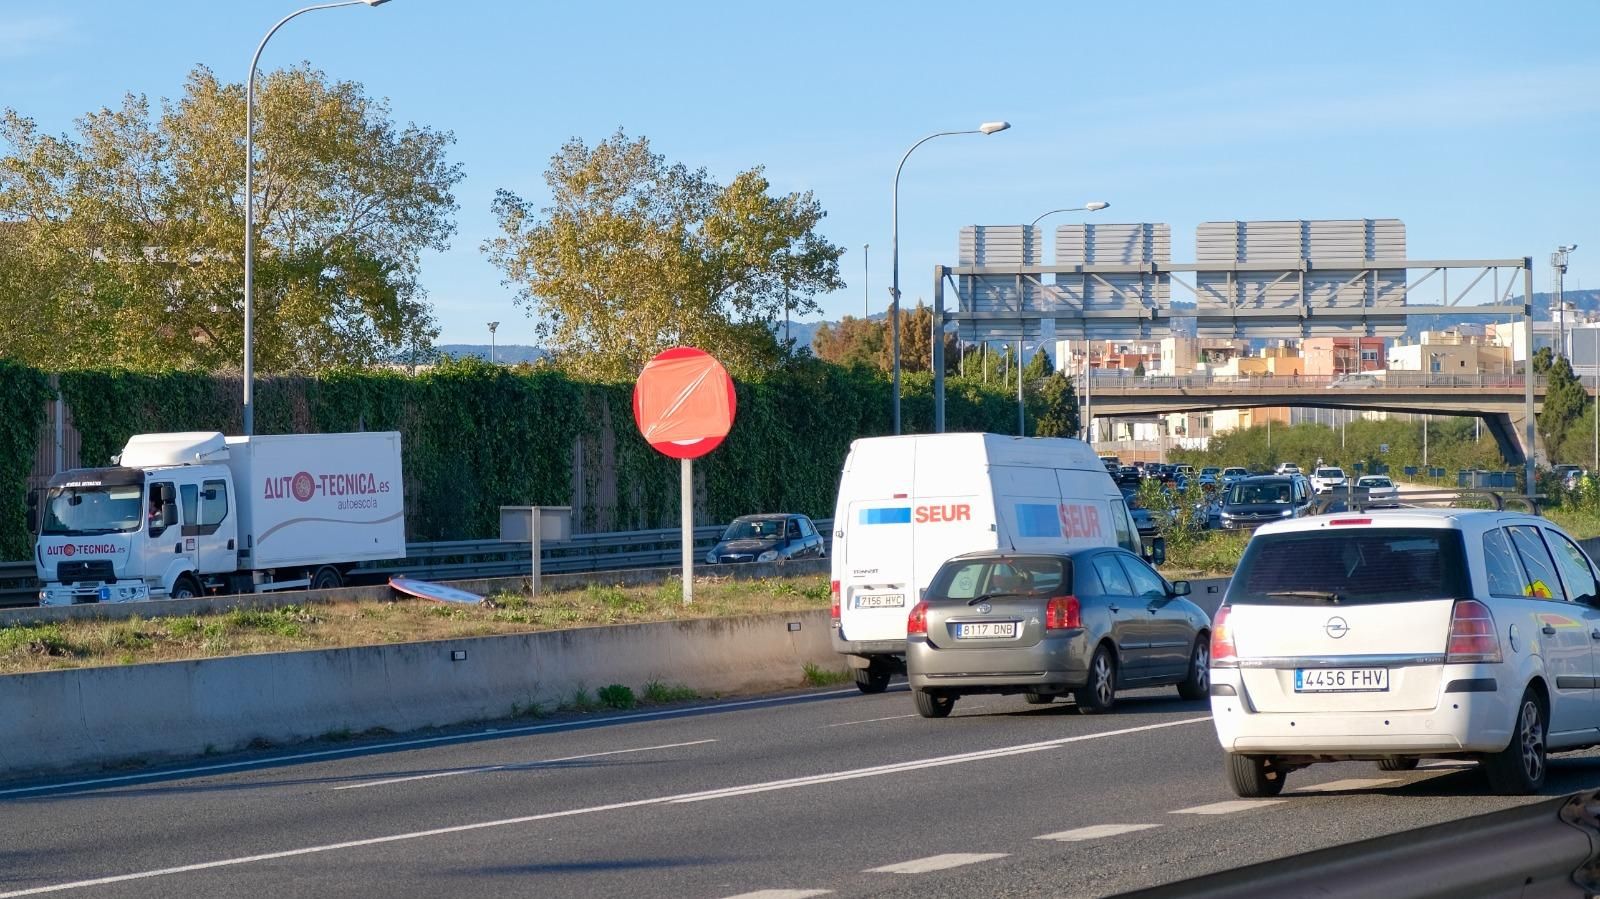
(1038, 520)
(901, 515)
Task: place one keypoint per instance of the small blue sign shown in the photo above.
(900, 515)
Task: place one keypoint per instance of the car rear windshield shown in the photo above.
(1352, 566)
(1001, 576)
(1329, 473)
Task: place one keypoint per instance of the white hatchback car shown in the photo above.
(1400, 635)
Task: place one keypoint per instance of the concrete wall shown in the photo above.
(90, 716)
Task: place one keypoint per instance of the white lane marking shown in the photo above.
(573, 725)
(565, 813)
(782, 894)
(1228, 808)
(514, 766)
(1095, 832)
(936, 762)
(868, 721)
(1354, 783)
(937, 863)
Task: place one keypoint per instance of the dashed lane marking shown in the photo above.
(1095, 832)
(1229, 807)
(1354, 783)
(868, 721)
(937, 863)
(782, 894)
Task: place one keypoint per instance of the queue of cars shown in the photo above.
(980, 564)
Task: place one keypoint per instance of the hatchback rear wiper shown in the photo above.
(1324, 595)
(984, 597)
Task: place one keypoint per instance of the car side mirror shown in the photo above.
(1181, 588)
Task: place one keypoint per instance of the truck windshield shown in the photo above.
(88, 510)
(1265, 492)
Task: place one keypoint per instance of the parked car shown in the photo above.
(1286, 468)
(1328, 479)
(1142, 519)
(1400, 635)
(1083, 623)
(1127, 476)
(768, 538)
(1254, 501)
(1379, 490)
(1234, 473)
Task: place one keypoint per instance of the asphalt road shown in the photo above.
(823, 791)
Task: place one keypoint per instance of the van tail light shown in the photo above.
(833, 612)
(1472, 634)
(917, 621)
(1062, 613)
(1223, 653)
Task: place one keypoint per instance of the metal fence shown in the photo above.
(464, 559)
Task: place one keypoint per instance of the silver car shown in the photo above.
(1084, 623)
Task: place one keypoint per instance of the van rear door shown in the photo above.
(877, 563)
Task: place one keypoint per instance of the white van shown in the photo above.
(907, 504)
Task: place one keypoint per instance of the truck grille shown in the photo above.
(93, 570)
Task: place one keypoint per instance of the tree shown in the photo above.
(1138, 370)
(853, 341)
(636, 254)
(126, 241)
(1056, 414)
(1039, 367)
(1564, 401)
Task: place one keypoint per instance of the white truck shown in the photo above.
(906, 504)
(184, 515)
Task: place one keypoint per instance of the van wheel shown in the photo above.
(1520, 768)
(1036, 698)
(327, 578)
(1254, 776)
(872, 679)
(1098, 695)
(1398, 763)
(1198, 684)
(185, 587)
(931, 705)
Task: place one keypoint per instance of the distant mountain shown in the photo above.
(505, 353)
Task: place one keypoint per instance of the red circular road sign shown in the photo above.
(684, 402)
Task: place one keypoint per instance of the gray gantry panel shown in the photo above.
(1001, 245)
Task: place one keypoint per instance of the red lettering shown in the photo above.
(963, 512)
(922, 514)
(1091, 517)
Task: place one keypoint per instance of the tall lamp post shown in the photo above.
(866, 281)
(894, 252)
(250, 207)
(494, 357)
(1092, 206)
(1085, 406)
(1558, 261)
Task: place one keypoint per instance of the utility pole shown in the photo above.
(1558, 262)
(866, 281)
(494, 358)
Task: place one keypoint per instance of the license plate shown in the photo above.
(986, 629)
(881, 601)
(1341, 680)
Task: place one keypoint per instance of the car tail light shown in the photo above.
(834, 611)
(1342, 522)
(1223, 652)
(1063, 612)
(917, 621)
(1472, 634)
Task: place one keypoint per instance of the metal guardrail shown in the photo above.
(1118, 379)
(464, 559)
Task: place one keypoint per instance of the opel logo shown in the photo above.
(1336, 627)
(984, 608)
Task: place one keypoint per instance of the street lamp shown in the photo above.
(493, 357)
(250, 207)
(1093, 206)
(894, 252)
(1558, 261)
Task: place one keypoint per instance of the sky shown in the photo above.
(1475, 123)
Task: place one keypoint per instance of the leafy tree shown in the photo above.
(635, 254)
(1565, 400)
(1138, 370)
(1038, 368)
(125, 242)
(1056, 407)
(853, 341)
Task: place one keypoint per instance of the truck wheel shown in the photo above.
(872, 679)
(327, 578)
(185, 587)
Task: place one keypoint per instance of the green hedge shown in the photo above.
(477, 437)
(23, 395)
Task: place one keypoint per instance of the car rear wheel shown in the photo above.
(1254, 776)
(1398, 763)
(933, 705)
(1035, 698)
(872, 679)
(1520, 768)
(1198, 684)
(1100, 693)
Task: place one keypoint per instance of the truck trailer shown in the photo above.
(190, 514)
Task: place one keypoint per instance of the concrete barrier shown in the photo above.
(625, 577)
(96, 716)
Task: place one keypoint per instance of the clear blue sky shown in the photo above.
(1476, 123)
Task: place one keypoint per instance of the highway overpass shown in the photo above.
(1498, 399)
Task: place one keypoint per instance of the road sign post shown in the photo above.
(684, 405)
(534, 525)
